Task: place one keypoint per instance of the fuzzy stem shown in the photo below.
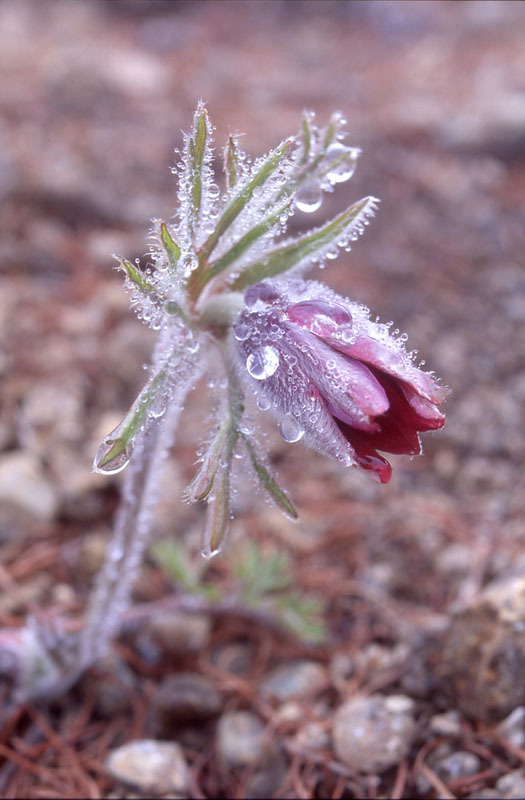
(130, 538)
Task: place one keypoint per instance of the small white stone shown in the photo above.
(153, 766)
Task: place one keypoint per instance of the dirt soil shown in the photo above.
(93, 98)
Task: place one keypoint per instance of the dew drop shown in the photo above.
(259, 297)
(344, 160)
(171, 307)
(241, 332)
(290, 429)
(263, 403)
(247, 426)
(115, 464)
(309, 198)
(263, 363)
(157, 408)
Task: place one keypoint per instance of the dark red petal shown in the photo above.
(398, 431)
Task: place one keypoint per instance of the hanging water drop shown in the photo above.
(290, 429)
(343, 162)
(112, 456)
(309, 198)
(262, 363)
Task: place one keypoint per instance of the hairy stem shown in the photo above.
(130, 538)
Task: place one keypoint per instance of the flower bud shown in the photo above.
(332, 375)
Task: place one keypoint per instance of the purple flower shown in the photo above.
(332, 375)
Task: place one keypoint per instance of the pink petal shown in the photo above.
(394, 362)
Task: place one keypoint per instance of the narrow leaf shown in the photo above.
(231, 162)
(202, 484)
(269, 483)
(290, 254)
(238, 203)
(115, 451)
(242, 246)
(136, 277)
(306, 135)
(197, 151)
(218, 514)
(171, 248)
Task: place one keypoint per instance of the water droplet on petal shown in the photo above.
(290, 429)
(348, 336)
(263, 362)
(309, 198)
(263, 403)
(241, 332)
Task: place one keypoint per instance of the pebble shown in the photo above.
(25, 492)
(114, 687)
(456, 765)
(267, 778)
(483, 659)
(179, 633)
(512, 728)
(371, 734)
(313, 736)
(152, 766)
(240, 739)
(512, 785)
(298, 679)
(447, 724)
(183, 698)
(234, 657)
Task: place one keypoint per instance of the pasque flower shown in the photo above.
(224, 290)
(332, 375)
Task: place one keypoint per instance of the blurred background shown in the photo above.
(93, 98)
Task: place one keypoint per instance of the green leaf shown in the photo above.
(245, 243)
(173, 558)
(261, 573)
(269, 483)
(306, 136)
(202, 484)
(197, 148)
(231, 162)
(184, 572)
(238, 203)
(171, 247)
(136, 277)
(284, 257)
(218, 514)
(117, 445)
(302, 614)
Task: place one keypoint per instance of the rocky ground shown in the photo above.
(406, 679)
